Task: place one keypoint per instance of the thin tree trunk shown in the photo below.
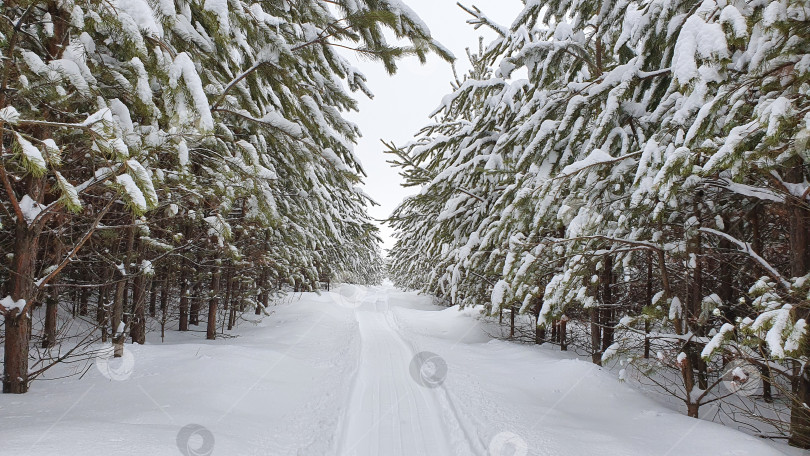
(512, 322)
(153, 286)
(196, 303)
(211, 332)
(101, 309)
(596, 336)
(799, 412)
(607, 301)
(117, 324)
(51, 315)
(183, 325)
(18, 325)
(263, 293)
(164, 303)
(138, 330)
(649, 303)
(234, 306)
(539, 329)
(84, 296)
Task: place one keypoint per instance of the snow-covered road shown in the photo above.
(388, 411)
(353, 372)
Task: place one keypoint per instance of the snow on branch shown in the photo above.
(746, 248)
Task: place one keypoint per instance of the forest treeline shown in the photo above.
(633, 176)
(178, 162)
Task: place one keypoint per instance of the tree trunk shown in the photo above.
(511, 322)
(540, 334)
(51, 313)
(101, 309)
(692, 409)
(263, 293)
(84, 296)
(799, 415)
(563, 333)
(649, 303)
(607, 301)
(183, 326)
(164, 304)
(18, 325)
(15, 361)
(138, 329)
(117, 324)
(695, 300)
(153, 287)
(211, 332)
(799, 412)
(196, 303)
(554, 327)
(596, 336)
(234, 304)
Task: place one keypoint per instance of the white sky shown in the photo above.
(403, 102)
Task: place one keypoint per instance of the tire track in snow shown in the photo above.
(389, 413)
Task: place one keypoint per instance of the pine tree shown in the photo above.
(640, 158)
(202, 137)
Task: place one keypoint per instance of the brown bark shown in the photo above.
(164, 303)
(649, 300)
(153, 287)
(234, 303)
(264, 294)
(511, 322)
(138, 328)
(119, 330)
(799, 412)
(183, 324)
(211, 332)
(596, 336)
(51, 310)
(18, 325)
(540, 334)
(196, 303)
(84, 296)
(607, 301)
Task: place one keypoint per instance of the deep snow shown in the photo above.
(357, 371)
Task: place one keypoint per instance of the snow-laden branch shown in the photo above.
(480, 19)
(746, 248)
(762, 193)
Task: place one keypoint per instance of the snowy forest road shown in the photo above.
(358, 371)
(389, 412)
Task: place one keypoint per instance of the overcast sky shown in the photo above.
(402, 102)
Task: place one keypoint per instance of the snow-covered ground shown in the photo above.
(354, 372)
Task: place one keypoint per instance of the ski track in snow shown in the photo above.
(329, 375)
(389, 413)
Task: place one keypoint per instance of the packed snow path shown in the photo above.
(389, 412)
(352, 372)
